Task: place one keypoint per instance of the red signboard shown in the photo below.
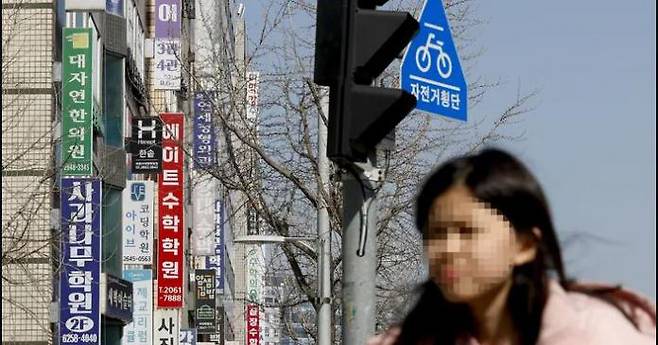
(253, 330)
(171, 228)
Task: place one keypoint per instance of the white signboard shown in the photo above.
(203, 211)
(140, 331)
(252, 95)
(137, 222)
(167, 326)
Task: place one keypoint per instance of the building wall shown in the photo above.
(28, 103)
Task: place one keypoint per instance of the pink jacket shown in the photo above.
(576, 318)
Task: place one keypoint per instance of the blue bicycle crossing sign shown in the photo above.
(430, 67)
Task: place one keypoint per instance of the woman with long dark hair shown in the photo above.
(496, 274)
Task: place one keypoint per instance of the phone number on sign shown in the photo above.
(74, 338)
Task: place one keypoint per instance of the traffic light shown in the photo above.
(354, 44)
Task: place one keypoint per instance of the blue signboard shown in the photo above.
(119, 298)
(216, 261)
(187, 336)
(114, 6)
(80, 273)
(204, 131)
(430, 68)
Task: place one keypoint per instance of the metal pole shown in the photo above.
(324, 235)
(359, 258)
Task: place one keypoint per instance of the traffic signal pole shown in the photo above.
(360, 209)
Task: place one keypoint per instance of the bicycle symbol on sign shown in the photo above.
(424, 56)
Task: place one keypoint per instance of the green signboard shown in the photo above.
(77, 100)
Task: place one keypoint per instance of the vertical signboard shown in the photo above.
(170, 210)
(252, 95)
(203, 216)
(205, 301)
(253, 273)
(167, 44)
(216, 261)
(137, 222)
(204, 131)
(218, 336)
(166, 327)
(253, 324)
(146, 145)
(252, 221)
(77, 130)
(139, 332)
(80, 274)
(188, 336)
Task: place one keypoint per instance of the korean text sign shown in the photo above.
(146, 145)
(171, 227)
(204, 131)
(202, 239)
(167, 326)
(216, 261)
(253, 78)
(253, 324)
(77, 130)
(205, 302)
(140, 331)
(80, 275)
(167, 44)
(137, 200)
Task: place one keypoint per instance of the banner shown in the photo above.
(80, 273)
(171, 225)
(137, 222)
(77, 112)
(167, 44)
(253, 324)
(167, 327)
(140, 331)
(216, 261)
(146, 145)
(252, 95)
(188, 336)
(204, 131)
(205, 302)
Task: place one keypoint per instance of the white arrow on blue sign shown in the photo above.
(430, 68)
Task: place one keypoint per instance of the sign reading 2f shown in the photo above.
(430, 68)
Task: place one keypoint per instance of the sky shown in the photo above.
(591, 136)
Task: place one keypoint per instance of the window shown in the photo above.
(111, 231)
(113, 100)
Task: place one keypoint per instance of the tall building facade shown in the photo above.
(124, 84)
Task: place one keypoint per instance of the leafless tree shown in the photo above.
(272, 162)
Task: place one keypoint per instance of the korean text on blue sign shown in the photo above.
(216, 261)
(79, 279)
(430, 68)
(204, 131)
(187, 336)
(118, 299)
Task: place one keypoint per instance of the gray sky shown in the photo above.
(591, 139)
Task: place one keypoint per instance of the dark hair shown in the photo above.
(505, 184)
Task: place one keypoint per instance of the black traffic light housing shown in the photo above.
(354, 44)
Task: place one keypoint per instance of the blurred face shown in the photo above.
(471, 248)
